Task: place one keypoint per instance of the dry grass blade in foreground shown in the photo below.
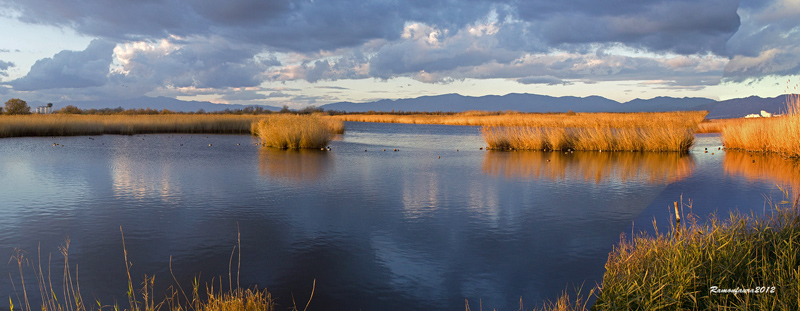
(296, 131)
(139, 299)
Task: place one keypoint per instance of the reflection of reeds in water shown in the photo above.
(763, 167)
(295, 165)
(656, 168)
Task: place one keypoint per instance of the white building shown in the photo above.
(47, 109)
(763, 114)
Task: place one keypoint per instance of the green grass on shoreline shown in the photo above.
(742, 262)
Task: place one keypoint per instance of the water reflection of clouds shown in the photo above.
(294, 165)
(420, 195)
(484, 200)
(769, 168)
(139, 180)
(411, 272)
(597, 167)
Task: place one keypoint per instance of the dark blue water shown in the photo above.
(422, 228)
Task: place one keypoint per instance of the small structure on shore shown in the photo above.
(46, 109)
(764, 114)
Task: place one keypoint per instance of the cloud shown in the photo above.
(770, 62)
(767, 42)
(665, 25)
(243, 95)
(4, 66)
(208, 47)
(322, 25)
(69, 69)
(683, 27)
(549, 80)
(278, 95)
(196, 62)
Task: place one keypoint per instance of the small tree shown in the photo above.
(17, 106)
(70, 109)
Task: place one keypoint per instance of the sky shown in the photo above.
(315, 52)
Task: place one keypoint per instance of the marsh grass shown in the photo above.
(717, 125)
(71, 125)
(778, 134)
(677, 271)
(140, 298)
(685, 119)
(663, 131)
(286, 131)
(667, 138)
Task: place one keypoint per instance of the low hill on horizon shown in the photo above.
(732, 108)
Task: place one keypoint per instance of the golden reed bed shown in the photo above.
(287, 131)
(562, 120)
(72, 125)
(779, 134)
(645, 131)
(665, 131)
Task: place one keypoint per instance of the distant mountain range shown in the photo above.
(732, 108)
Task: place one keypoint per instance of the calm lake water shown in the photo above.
(423, 228)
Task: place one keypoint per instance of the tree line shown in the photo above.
(16, 106)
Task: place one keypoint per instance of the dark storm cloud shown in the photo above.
(282, 24)
(304, 26)
(69, 69)
(222, 45)
(684, 27)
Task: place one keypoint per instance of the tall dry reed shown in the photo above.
(668, 138)
(294, 131)
(663, 131)
(70, 125)
(778, 134)
(686, 119)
